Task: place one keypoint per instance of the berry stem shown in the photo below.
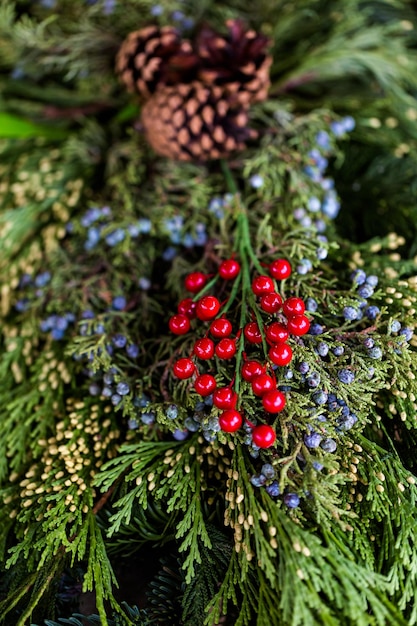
(247, 256)
(243, 238)
(248, 303)
(243, 235)
(243, 316)
(248, 296)
(233, 293)
(206, 288)
(230, 181)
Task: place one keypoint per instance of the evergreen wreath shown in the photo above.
(208, 304)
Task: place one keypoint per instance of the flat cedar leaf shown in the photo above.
(12, 126)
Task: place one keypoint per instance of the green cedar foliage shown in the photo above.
(135, 615)
(87, 213)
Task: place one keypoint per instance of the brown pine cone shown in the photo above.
(238, 62)
(153, 55)
(194, 123)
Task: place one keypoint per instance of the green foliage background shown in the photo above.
(81, 489)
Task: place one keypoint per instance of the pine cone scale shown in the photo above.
(139, 60)
(196, 124)
(183, 137)
(175, 101)
(221, 107)
(207, 115)
(150, 70)
(152, 45)
(191, 108)
(166, 114)
(219, 135)
(178, 118)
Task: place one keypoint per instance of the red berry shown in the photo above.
(224, 398)
(273, 401)
(252, 369)
(187, 307)
(252, 333)
(226, 348)
(280, 354)
(195, 281)
(230, 421)
(263, 436)
(263, 384)
(179, 324)
(205, 384)
(204, 348)
(207, 308)
(280, 269)
(277, 333)
(293, 306)
(221, 328)
(298, 325)
(229, 269)
(262, 285)
(183, 368)
(271, 302)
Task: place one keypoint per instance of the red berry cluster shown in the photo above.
(218, 343)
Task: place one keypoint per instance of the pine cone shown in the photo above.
(194, 122)
(237, 62)
(153, 55)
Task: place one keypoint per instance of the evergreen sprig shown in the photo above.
(133, 614)
(97, 236)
